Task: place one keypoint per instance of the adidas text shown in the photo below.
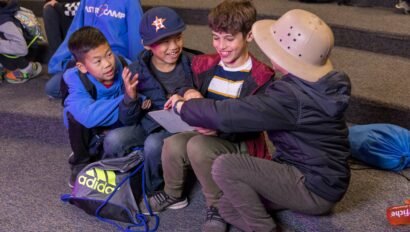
(93, 183)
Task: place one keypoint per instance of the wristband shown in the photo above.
(175, 106)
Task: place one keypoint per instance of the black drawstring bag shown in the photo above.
(110, 189)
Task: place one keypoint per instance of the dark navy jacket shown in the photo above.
(130, 111)
(7, 14)
(305, 121)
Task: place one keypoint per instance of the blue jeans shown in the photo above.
(152, 156)
(120, 141)
(53, 86)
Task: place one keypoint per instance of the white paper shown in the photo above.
(170, 121)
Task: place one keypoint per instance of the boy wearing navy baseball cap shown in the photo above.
(162, 69)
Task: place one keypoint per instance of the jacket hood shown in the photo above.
(7, 12)
(331, 92)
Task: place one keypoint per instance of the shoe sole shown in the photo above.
(70, 185)
(69, 156)
(179, 205)
(148, 214)
(15, 82)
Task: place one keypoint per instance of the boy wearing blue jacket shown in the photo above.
(117, 20)
(88, 117)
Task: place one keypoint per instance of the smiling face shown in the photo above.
(100, 63)
(166, 52)
(233, 49)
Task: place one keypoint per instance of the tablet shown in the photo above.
(170, 121)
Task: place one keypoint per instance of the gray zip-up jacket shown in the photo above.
(304, 120)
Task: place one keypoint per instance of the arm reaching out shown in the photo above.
(175, 102)
(192, 93)
(174, 99)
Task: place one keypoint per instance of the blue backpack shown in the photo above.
(383, 146)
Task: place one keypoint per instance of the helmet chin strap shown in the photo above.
(279, 68)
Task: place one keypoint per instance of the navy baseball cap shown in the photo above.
(158, 23)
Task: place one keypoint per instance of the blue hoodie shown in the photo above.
(89, 112)
(118, 20)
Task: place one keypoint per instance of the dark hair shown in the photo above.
(4, 3)
(85, 39)
(232, 17)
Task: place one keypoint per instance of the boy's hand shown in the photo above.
(130, 84)
(172, 100)
(51, 3)
(146, 104)
(206, 131)
(192, 93)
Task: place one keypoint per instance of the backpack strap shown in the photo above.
(123, 61)
(139, 219)
(89, 86)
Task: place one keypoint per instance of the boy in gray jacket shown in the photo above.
(14, 66)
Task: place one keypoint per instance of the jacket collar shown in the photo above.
(260, 72)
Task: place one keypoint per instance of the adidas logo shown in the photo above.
(100, 180)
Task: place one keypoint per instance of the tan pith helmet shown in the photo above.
(299, 41)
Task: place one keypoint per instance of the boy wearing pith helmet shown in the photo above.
(303, 114)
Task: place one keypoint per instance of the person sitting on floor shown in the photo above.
(163, 69)
(14, 66)
(303, 113)
(93, 120)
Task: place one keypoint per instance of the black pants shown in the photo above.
(56, 24)
(12, 64)
(80, 140)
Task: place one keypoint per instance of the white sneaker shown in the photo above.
(18, 76)
(35, 69)
(403, 5)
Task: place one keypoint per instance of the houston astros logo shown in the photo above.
(158, 23)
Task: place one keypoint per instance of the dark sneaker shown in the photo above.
(71, 181)
(214, 222)
(144, 210)
(73, 175)
(161, 201)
